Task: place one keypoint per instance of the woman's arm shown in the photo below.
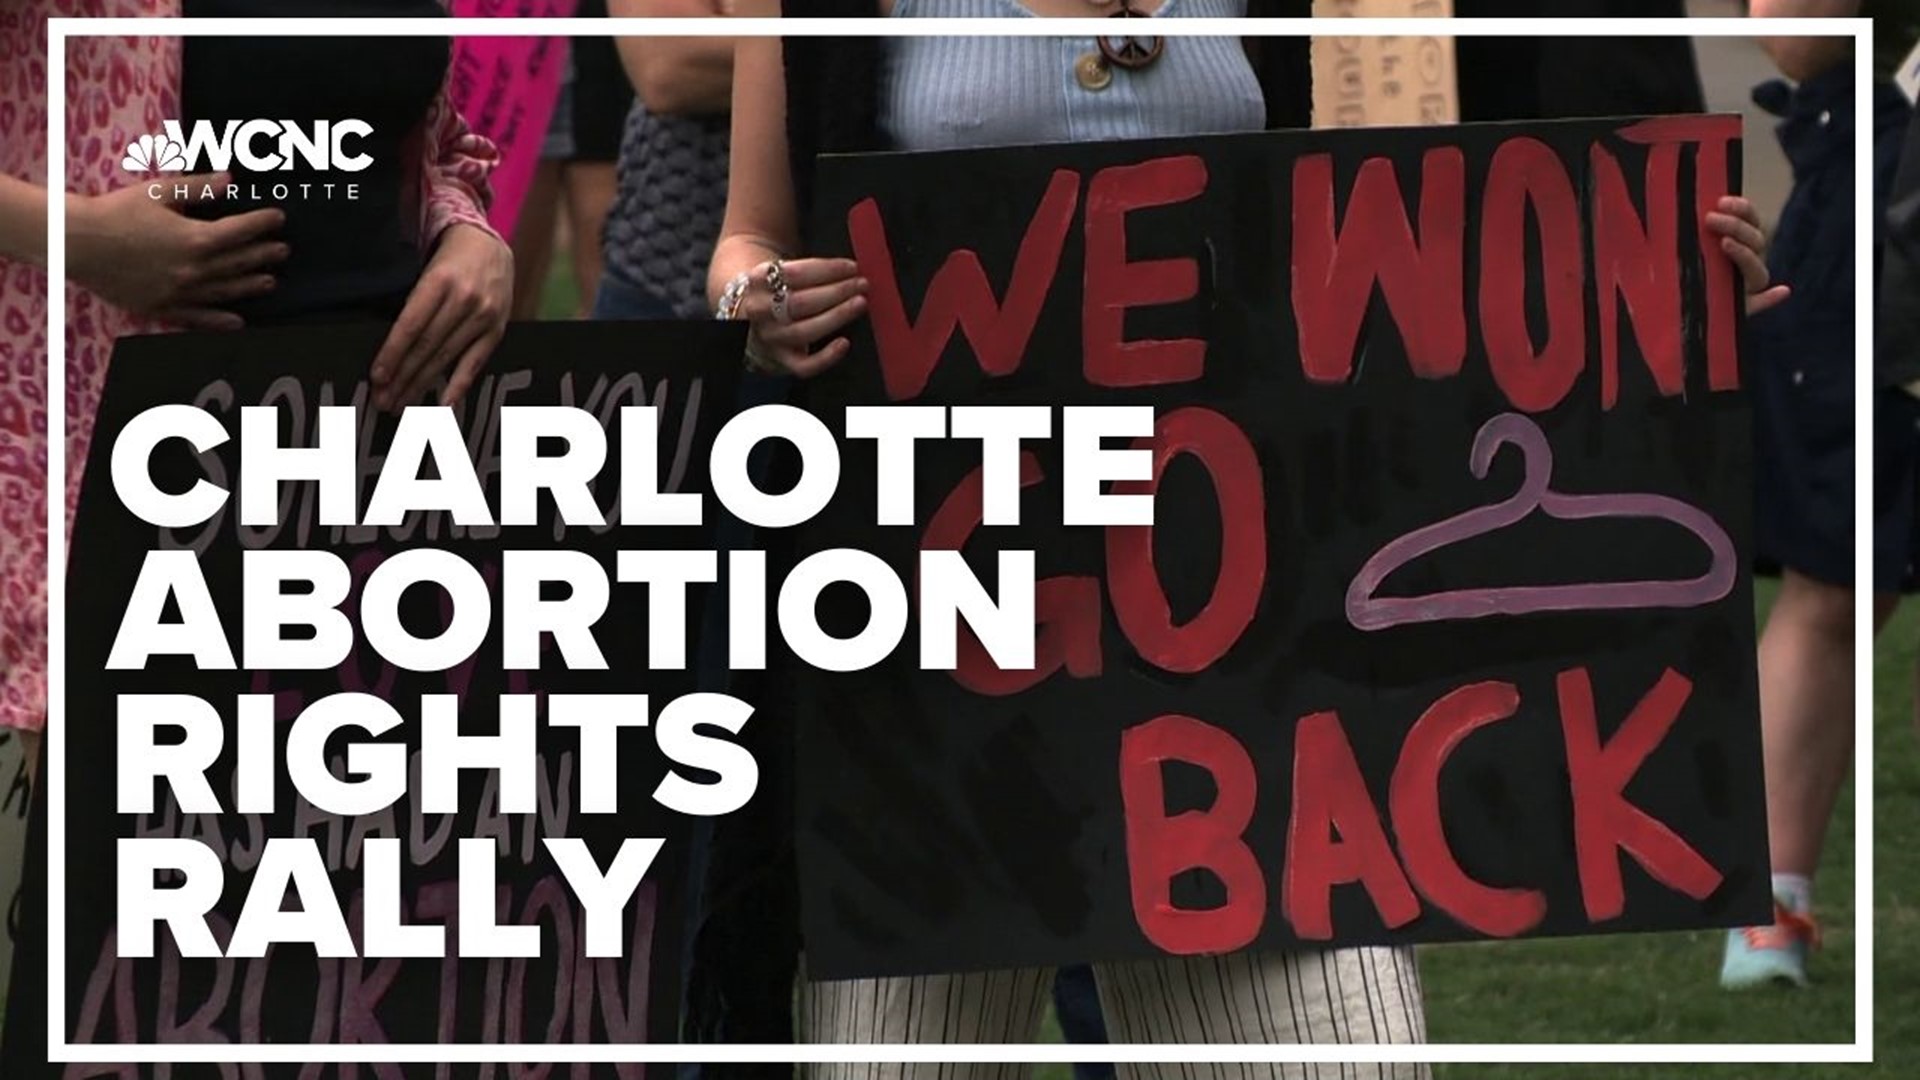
(23, 222)
(458, 309)
(140, 254)
(760, 222)
(453, 175)
(676, 75)
(807, 301)
(456, 161)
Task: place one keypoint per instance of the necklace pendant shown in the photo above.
(1131, 52)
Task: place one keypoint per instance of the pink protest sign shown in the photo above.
(506, 87)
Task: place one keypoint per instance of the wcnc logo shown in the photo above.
(257, 146)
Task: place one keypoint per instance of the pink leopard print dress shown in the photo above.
(117, 90)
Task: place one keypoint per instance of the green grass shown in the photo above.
(1896, 810)
(1642, 988)
(1661, 988)
(560, 298)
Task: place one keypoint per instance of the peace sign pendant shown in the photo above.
(1131, 52)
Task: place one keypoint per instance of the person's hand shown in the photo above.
(1737, 224)
(146, 256)
(453, 318)
(822, 298)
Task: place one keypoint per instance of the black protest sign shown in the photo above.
(1443, 628)
(14, 790)
(565, 994)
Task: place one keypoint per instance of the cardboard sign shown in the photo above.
(1384, 81)
(290, 995)
(506, 88)
(1444, 628)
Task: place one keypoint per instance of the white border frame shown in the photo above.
(59, 30)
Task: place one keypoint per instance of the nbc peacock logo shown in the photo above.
(154, 153)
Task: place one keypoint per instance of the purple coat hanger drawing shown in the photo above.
(1368, 612)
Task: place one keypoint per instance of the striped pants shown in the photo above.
(1343, 996)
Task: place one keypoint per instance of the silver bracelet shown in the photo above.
(732, 296)
(728, 309)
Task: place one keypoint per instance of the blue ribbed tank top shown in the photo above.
(943, 93)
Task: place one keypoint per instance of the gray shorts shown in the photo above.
(559, 145)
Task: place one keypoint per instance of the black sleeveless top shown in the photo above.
(351, 258)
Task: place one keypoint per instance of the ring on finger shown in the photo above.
(778, 290)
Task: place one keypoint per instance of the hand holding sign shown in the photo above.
(794, 306)
(139, 251)
(1744, 239)
(453, 319)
